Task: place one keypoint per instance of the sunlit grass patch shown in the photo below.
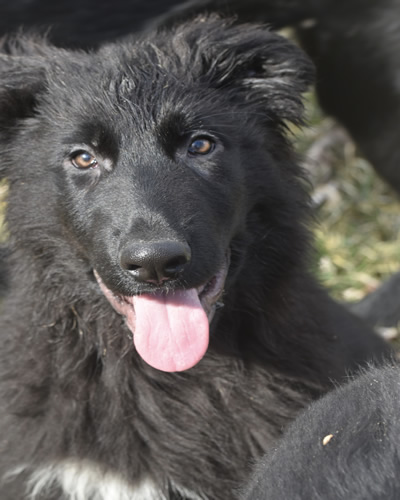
(357, 236)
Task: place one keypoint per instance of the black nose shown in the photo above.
(155, 261)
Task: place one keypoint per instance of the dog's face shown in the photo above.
(151, 160)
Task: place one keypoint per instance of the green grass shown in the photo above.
(358, 239)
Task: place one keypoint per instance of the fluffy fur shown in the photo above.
(344, 446)
(73, 388)
(83, 480)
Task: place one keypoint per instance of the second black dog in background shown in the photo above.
(344, 447)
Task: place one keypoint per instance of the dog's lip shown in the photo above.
(210, 293)
(170, 328)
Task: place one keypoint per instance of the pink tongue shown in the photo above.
(171, 331)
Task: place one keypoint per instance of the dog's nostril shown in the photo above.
(176, 265)
(131, 267)
(155, 261)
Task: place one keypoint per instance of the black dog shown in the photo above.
(354, 45)
(345, 446)
(150, 183)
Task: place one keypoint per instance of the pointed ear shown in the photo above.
(257, 66)
(22, 79)
(23, 62)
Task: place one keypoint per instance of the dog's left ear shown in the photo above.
(257, 66)
(22, 79)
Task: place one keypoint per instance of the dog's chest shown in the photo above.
(80, 480)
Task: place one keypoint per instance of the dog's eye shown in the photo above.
(83, 159)
(201, 146)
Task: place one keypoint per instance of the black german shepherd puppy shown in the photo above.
(151, 183)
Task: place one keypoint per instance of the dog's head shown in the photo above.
(160, 164)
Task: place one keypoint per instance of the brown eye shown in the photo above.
(84, 160)
(201, 146)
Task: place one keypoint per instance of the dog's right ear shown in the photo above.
(253, 65)
(22, 78)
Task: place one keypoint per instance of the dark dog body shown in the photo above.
(174, 141)
(344, 446)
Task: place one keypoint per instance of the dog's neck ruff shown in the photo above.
(82, 480)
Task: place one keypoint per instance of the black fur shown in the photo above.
(72, 384)
(360, 457)
(3, 270)
(381, 307)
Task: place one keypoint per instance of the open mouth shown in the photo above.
(171, 329)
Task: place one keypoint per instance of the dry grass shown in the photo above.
(357, 238)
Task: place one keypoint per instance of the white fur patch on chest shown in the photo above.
(80, 480)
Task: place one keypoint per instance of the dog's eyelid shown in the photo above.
(78, 148)
(201, 134)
